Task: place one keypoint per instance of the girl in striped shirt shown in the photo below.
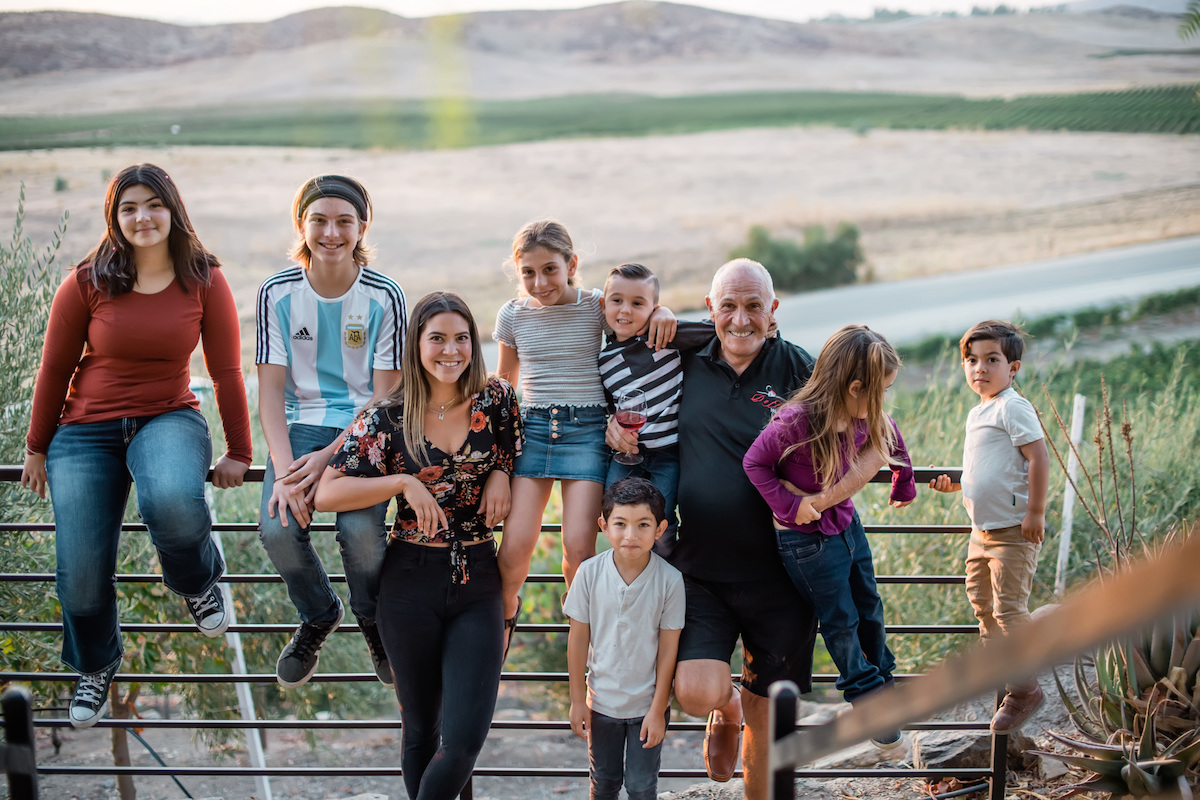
(550, 338)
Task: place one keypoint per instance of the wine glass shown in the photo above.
(631, 415)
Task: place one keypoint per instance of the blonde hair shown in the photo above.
(853, 353)
(548, 233)
(415, 403)
(341, 188)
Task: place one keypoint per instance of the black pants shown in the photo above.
(445, 642)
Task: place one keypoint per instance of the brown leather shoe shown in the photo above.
(722, 744)
(1016, 709)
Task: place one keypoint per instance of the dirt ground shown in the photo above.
(682, 750)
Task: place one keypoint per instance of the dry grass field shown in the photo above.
(925, 201)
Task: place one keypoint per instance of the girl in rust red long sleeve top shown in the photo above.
(112, 409)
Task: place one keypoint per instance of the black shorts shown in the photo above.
(777, 627)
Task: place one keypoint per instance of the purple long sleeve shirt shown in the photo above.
(765, 471)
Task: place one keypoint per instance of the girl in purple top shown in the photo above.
(809, 445)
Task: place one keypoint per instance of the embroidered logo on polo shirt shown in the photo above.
(767, 398)
(303, 335)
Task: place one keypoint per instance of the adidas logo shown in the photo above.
(303, 335)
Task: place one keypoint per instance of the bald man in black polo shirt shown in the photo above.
(736, 584)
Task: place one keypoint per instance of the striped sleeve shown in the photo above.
(389, 348)
(269, 345)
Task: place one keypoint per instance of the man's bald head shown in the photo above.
(742, 268)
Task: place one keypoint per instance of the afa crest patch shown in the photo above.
(356, 335)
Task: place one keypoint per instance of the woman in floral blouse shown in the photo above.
(443, 444)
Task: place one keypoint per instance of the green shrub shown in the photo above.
(816, 263)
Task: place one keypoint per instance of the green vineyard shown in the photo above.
(412, 124)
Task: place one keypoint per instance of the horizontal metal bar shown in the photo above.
(492, 772)
(244, 577)
(338, 577)
(548, 527)
(326, 677)
(272, 627)
(922, 475)
(370, 724)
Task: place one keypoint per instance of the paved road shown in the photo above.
(912, 309)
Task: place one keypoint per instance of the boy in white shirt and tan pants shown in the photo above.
(1005, 474)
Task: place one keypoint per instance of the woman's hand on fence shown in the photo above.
(33, 474)
(228, 473)
(496, 501)
(430, 517)
(580, 714)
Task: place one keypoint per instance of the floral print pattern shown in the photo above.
(374, 446)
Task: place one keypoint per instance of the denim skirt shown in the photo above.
(564, 442)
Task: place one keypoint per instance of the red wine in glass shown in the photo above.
(630, 420)
(631, 415)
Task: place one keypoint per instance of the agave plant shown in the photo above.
(1138, 706)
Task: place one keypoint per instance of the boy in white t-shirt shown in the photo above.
(1005, 473)
(626, 607)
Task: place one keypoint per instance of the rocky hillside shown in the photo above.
(46, 41)
(55, 62)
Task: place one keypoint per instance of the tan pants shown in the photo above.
(1000, 568)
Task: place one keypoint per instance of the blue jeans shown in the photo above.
(90, 467)
(661, 467)
(445, 642)
(836, 576)
(617, 755)
(361, 537)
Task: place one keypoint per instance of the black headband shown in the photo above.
(333, 186)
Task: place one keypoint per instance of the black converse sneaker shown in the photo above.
(298, 661)
(208, 612)
(383, 669)
(91, 697)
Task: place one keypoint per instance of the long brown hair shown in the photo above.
(111, 264)
(853, 353)
(412, 392)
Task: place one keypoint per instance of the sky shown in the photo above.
(217, 11)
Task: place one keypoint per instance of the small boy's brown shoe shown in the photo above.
(1016, 709)
(722, 744)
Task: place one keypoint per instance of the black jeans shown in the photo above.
(445, 642)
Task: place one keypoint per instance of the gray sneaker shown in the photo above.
(298, 661)
(383, 669)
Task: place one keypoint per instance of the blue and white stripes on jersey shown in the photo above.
(329, 345)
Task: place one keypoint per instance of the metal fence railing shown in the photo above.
(24, 786)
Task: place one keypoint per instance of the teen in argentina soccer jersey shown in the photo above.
(329, 342)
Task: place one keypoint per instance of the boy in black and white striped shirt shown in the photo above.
(627, 362)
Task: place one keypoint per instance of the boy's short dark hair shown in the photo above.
(633, 272)
(1007, 334)
(634, 492)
